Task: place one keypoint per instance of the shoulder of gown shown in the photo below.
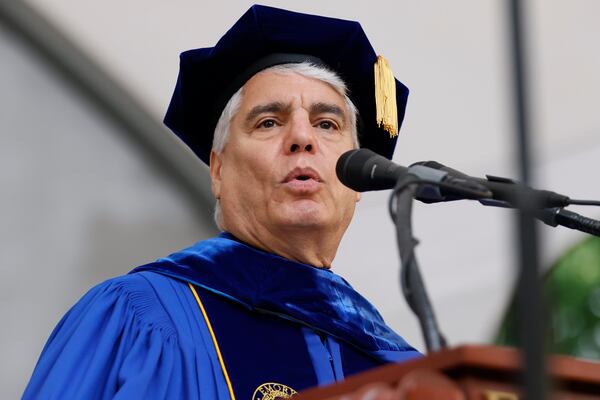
(134, 336)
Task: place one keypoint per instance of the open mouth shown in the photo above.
(303, 181)
(303, 175)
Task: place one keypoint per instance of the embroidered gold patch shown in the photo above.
(273, 391)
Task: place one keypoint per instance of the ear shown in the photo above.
(357, 197)
(215, 174)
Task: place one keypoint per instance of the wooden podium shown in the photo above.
(467, 372)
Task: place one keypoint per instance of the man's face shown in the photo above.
(277, 170)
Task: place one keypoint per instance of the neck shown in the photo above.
(308, 247)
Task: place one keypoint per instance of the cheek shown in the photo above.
(343, 197)
(248, 175)
(351, 197)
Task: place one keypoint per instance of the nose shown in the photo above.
(300, 136)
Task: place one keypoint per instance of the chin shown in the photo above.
(304, 214)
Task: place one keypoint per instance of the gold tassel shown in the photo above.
(385, 97)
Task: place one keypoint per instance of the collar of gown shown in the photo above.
(269, 283)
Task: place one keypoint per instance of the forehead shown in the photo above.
(288, 87)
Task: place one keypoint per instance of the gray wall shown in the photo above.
(79, 204)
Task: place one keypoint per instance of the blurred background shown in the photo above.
(93, 185)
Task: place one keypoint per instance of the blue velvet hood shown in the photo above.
(269, 283)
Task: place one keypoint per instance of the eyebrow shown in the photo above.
(274, 107)
(280, 107)
(327, 108)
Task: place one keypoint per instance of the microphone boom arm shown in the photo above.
(558, 216)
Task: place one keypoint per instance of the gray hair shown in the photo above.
(305, 69)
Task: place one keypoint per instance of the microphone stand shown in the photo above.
(413, 287)
(411, 281)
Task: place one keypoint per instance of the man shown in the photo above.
(255, 313)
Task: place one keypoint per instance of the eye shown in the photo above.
(327, 125)
(267, 123)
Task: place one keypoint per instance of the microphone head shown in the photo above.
(363, 170)
(350, 164)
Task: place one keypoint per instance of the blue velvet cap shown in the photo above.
(267, 36)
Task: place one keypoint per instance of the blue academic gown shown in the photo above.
(218, 320)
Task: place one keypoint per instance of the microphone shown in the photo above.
(364, 170)
(505, 191)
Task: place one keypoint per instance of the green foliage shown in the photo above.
(573, 291)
